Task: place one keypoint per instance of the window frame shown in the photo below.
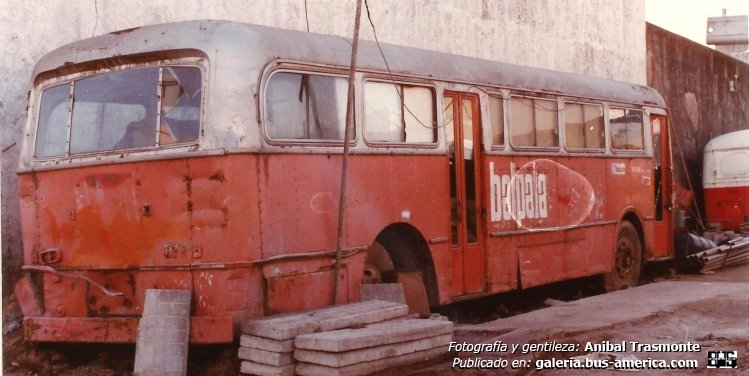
(556, 101)
(404, 144)
(504, 104)
(604, 117)
(644, 130)
(310, 70)
(71, 79)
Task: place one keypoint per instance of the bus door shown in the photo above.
(462, 127)
(663, 245)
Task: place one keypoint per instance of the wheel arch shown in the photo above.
(409, 251)
(633, 218)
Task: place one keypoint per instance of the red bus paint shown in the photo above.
(196, 162)
(726, 180)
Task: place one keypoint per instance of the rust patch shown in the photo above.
(105, 180)
(35, 180)
(188, 185)
(218, 176)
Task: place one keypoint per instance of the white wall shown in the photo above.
(604, 38)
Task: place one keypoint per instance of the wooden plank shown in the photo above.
(266, 357)
(266, 344)
(370, 354)
(416, 294)
(287, 326)
(373, 335)
(253, 368)
(308, 369)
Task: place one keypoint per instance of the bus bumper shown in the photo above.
(203, 330)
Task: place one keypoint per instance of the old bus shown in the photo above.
(206, 156)
(725, 180)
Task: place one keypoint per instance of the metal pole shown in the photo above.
(344, 161)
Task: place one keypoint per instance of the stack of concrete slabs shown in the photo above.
(267, 344)
(372, 348)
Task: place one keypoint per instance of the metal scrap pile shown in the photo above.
(734, 252)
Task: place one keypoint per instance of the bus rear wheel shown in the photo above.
(627, 260)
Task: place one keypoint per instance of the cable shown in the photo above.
(390, 73)
(306, 17)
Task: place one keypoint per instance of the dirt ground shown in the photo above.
(716, 324)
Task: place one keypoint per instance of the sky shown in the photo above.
(688, 18)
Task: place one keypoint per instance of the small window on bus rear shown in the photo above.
(497, 119)
(120, 110)
(533, 122)
(583, 126)
(626, 129)
(303, 106)
(399, 113)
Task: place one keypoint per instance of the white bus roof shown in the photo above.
(732, 140)
(236, 55)
(253, 45)
(726, 161)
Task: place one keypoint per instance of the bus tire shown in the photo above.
(627, 260)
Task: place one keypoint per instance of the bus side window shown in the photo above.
(626, 129)
(533, 122)
(497, 119)
(387, 118)
(305, 107)
(583, 126)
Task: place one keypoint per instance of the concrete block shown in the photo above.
(287, 326)
(266, 357)
(266, 370)
(308, 369)
(163, 334)
(370, 354)
(372, 335)
(389, 292)
(267, 344)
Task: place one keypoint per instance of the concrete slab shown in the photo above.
(307, 369)
(287, 326)
(610, 309)
(253, 368)
(373, 335)
(370, 354)
(267, 344)
(389, 292)
(266, 357)
(163, 333)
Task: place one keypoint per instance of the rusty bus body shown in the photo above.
(554, 176)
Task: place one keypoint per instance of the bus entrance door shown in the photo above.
(663, 246)
(463, 134)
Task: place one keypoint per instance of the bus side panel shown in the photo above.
(226, 232)
(299, 211)
(386, 189)
(728, 206)
(501, 250)
(409, 189)
(298, 202)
